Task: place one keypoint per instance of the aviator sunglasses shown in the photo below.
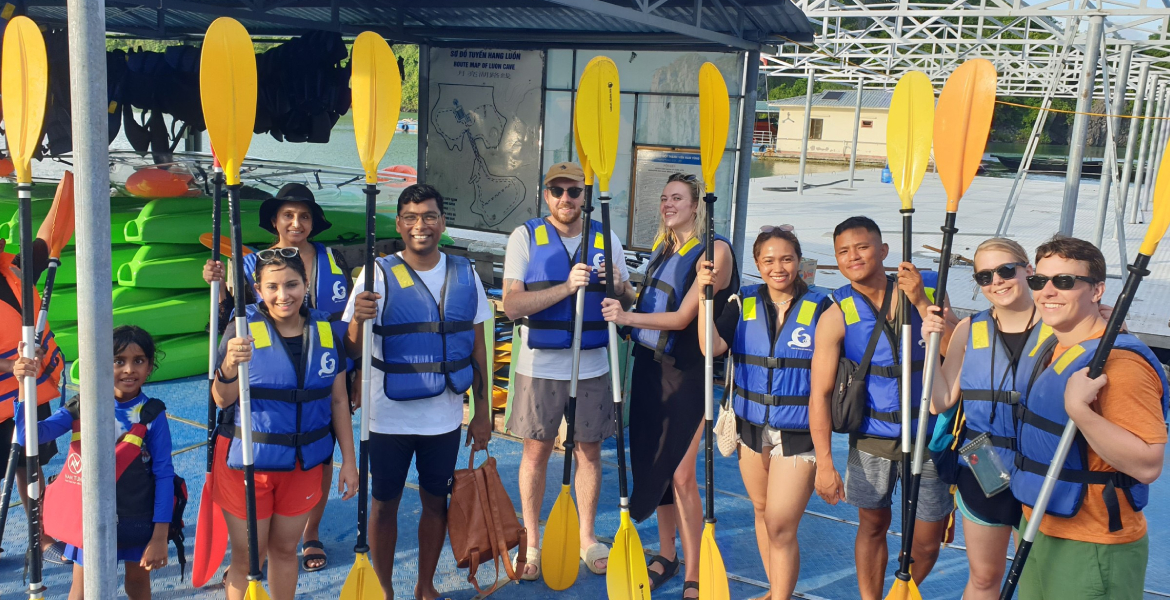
(1062, 282)
(1005, 271)
(557, 191)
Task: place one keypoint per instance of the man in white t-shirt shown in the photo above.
(428, 350)
(541, 278)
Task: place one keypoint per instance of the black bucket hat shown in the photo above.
(293, 192)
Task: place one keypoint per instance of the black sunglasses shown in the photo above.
(271, 253)
(557, 191)
(1060, 282)
(1005, 271)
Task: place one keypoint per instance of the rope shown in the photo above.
(1073, 112)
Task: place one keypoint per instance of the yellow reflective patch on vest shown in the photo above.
(1045, 331)
(749, 309)
(599, 241)
(1067, 358)
(402, 275)
(132, 439)
(325, 334)
(332, 263)
(850, 311)
(76, 436)
(8, 11)
(930, 294)
(807, 310)
(541, 236)
(979, 338)
(687, 246)
(260, 335)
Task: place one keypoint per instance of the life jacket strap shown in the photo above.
(1007, 443)
(894, 371)
(1046, 425)
(292, 396)
(537, 286)
(439, 327)
(293, 440)
(445, 367)
(563, 325)
(771, 362)
(770, 399)
(887, 417)
(1112, 480)
(1000, 396)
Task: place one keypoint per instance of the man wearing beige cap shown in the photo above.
(541, 278)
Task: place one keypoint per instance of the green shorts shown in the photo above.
(1060, 569)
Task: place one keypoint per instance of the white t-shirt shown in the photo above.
(555, 364)
(426, 416)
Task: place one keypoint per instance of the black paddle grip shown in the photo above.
(1137, 271)
(944, 265)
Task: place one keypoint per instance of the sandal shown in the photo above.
(306, 557)
(690, 585)
(669, 570)
(532, 558)
(597, 551)
(56, 554)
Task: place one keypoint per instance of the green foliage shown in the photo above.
(792, 88)
(409, 55)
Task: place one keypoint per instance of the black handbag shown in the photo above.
(850, 393)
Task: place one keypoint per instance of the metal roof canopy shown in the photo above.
(661, 24)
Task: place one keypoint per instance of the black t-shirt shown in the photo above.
(40, 263)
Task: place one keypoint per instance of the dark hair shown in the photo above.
(419, 193)
(1074, 249)
(781, 234)
(124, 335)
(292, 262)
(865, 223)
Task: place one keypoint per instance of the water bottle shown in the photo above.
(887, 177)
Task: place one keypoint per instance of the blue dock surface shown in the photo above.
(826, 532)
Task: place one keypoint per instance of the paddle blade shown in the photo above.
(712, 574)
(24, 85)
(962, 121)
(904, 590)
(60, 216)
(227, 88)
(560, 548)
(626, 577)
(599, 106)
(909, 133)
(211, 538)
(225, 244)
(1161, 218)
(255, 591)
(714, 117)
(581, 153)
(377, 99)
(362, 581)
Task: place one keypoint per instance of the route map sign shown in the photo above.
(483, 139)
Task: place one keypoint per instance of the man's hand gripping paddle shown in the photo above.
(1138, 270)
(713, 125)
(908, 138)
(24, 87)
(377, 100)
(227, 88)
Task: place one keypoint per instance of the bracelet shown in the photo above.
(220, 378)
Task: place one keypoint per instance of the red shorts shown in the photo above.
(286, 493)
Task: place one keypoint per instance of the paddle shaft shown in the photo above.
(709, 362)
(615, 377)
(29, 392)
(907, 382)
(213, 329)
(362, 545)
(578, 323)
(1138, 270)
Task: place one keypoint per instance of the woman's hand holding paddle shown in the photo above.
(611, 309)
(239, 351)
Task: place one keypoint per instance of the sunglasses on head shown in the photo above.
(557, 191)
(1060, 282)
(1005, 271)
(271, 253)
(771, 228)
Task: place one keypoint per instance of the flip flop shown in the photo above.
(56, 554)
(306, 557)
(669, 570)
(594, 553)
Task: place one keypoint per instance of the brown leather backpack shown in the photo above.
(482, 523)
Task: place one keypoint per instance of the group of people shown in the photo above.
(1015, 374)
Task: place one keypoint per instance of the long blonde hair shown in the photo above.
(666, 236)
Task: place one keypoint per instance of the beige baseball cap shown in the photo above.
(566, 170)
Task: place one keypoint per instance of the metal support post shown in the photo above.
(807, 127)
(193, 141)
(1076, 154)
(856, 131)
(1149, 151)
(1132, 135)
(1157, 151)
(87, 85)
(743, 181)
(424, 108)
(1110, 160)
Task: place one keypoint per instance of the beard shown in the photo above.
(572, 218)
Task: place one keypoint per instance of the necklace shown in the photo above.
(779, 304)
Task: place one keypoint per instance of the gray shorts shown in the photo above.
(870, 482)
(539, 404)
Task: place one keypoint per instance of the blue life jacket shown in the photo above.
(883, 411)
(549, 264)
(292, 405)
(668, 279)
(1042, 421)
(991, 386)
(331, 292)
(426, 347)
(773, 371)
